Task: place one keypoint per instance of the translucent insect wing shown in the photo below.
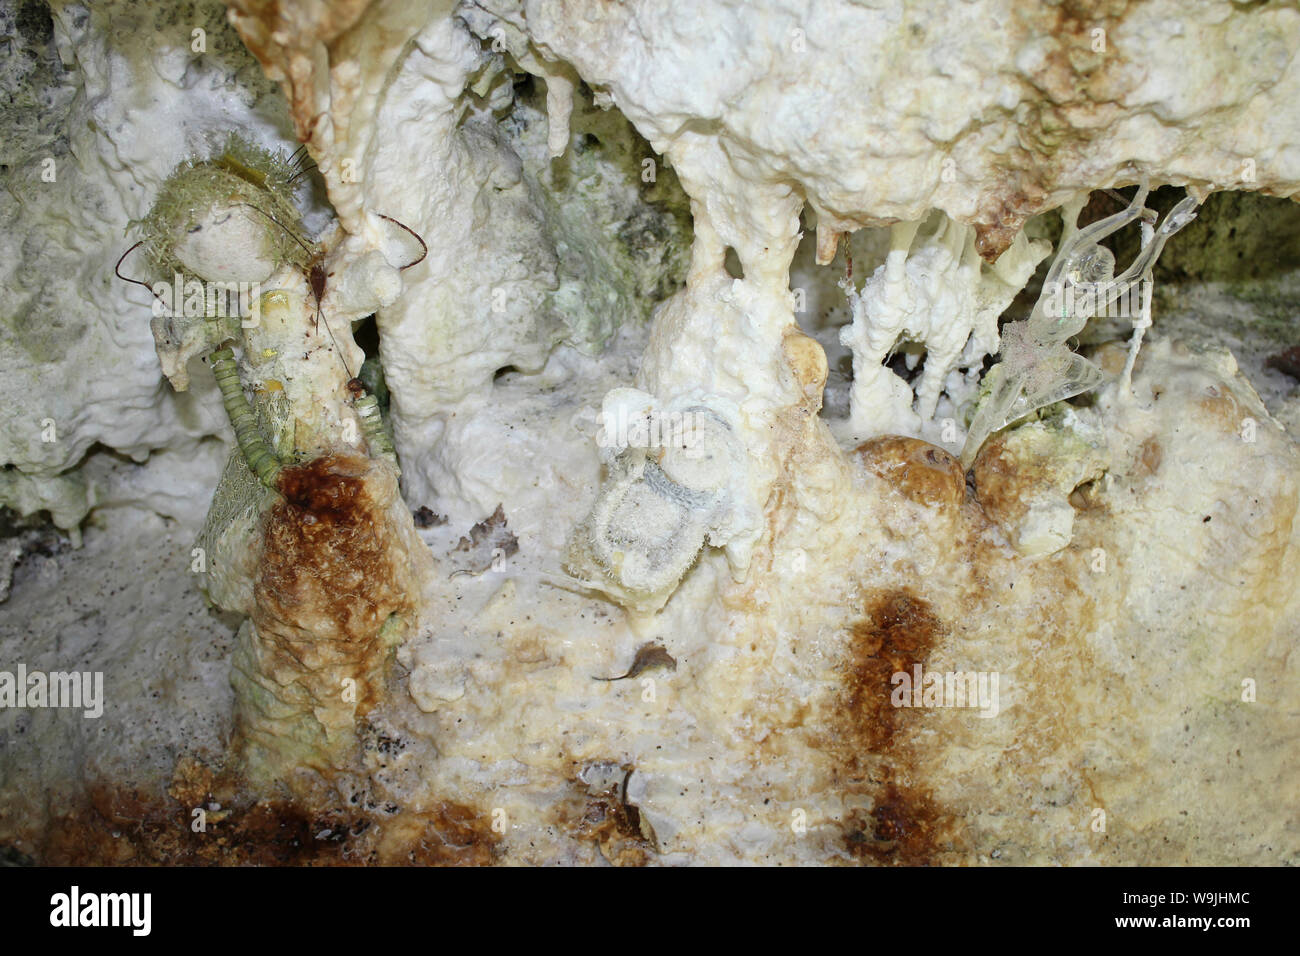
(1076, 376)
(992, 409)
(1010, 400)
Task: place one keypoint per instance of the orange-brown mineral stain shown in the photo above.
(123, 827)
(901, 830)
(328, 579)
(115, 825)
(897, 631)
(924, 473)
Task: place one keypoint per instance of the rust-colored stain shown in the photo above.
(605, 818)
(897, 632)
(901, 828)
(450, 834)
(327, 582)
(1005, 480)
(1065, 102)
(924, 473)
(904, 826)
(125, 826)
(328, 487)
(333, 569)
(1150, 456)
(616, 828)
(1219, 406)
(307, 48)
(993, 477)
(321, 543)
(1003, 216)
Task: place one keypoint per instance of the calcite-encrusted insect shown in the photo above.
(228, 217)
(231, 218)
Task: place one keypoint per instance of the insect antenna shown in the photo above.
(305, 169)
(424, 250)
(337, 351)
(316, 281)
(292, 235)
(117, 269)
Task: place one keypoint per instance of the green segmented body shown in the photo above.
(372, 426)
(261, 460)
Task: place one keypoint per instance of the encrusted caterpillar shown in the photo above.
(372, 426)
(261, 460)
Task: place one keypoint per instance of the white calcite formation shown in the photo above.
(76, 341)
(941, 296)
(679, 637)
